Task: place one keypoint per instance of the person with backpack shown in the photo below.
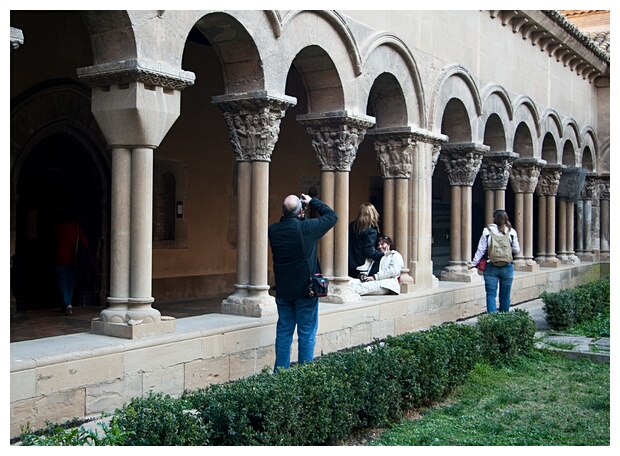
(499, 241)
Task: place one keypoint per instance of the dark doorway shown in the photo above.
(58, 173)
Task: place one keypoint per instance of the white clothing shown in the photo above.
(483, 244)
(385, 280)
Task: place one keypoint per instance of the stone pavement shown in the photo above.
(572, 346)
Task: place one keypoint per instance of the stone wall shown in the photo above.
(84, 375)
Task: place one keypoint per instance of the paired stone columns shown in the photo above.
(604, 217)
(254, 126)
(494, 173)
(547, 189)
(462, 162)
(523, 180)
(335, 138)
(134, 106)
(395, 150)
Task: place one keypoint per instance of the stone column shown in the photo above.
(134, 106)
(561, 229)
(523, 180)
(462, 162)
(425, 158)
(547, 189)
(335, 138)
(394, 154)
(253, 121)
(579, 225)
(605, 254)
(571, 258)
(494, 172)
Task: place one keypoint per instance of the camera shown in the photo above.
(363, 276)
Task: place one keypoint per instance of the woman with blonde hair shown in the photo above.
(363, 234)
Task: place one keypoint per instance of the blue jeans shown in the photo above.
(502, 275)
(300, 313)
(65, 282)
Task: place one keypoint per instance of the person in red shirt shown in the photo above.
(68, 236)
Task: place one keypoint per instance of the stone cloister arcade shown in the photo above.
(272, 101)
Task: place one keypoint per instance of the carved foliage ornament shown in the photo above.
(254, 126)
(335, 141)
(549, 181)
(524, 177)
(462, 162)
(394, 156)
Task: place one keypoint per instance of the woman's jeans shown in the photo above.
(502, 275)
(65, 282)
(303, 313)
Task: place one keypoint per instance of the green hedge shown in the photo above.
(566, 308)
(326, 401)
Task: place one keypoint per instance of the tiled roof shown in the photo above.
(598, 48)
(601, 39)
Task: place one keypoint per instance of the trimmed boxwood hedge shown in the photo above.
(568, 307)
(328, 400)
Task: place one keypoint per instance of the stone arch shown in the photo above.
(551, 126)
(523, 141)
(568, 153)
(112, 35)
(386, 102)
(571, 142)
(525, 110)
(341, 29)
(603, 158)
(321, 47)
(496, 118)
(237, 51)
(52, 114)
(455, 83)
(589, 149)
(384, 53)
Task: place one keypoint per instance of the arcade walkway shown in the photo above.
(37, 324)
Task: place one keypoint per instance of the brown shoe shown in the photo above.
(69, 310)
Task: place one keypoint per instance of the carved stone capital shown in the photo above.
(462, 162)
(495, 169)
(591, 187)
(549, 180)
(604, 186)
(336, 137)
(134, 70)
(253, 121)
(525, 173)
(394, 153)
(436, 140)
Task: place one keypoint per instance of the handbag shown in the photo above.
(317, 284)
(482, 264)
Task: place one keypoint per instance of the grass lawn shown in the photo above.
(544, 400)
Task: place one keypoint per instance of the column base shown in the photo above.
(167, 325)
(250, 306)
(587, 257)
(406, 283)
(549, 263)
(340, 292)
(460, 273)
(571, 259)
(526, 266)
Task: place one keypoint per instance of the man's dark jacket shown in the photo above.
(289, 262)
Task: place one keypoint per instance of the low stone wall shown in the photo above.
(84, 375)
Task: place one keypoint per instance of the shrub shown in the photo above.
(442, 357)
(160, 420)
(570, 307)
(506, 335)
